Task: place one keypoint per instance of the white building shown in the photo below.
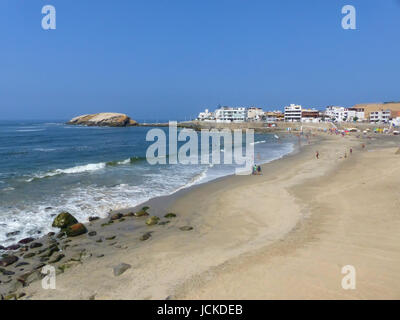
(380, 116)
(293, 113)
(357, 114)
(254, 114)
(206, 115)
(337, 114)
(228, 114)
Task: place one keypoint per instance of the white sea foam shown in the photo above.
(78, 169)
(45, 149)
(30, 130)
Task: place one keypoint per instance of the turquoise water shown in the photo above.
(47, 167)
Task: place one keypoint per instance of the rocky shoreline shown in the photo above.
(75, 243)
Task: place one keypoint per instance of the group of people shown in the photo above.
(256, 170)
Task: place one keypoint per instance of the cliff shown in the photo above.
(104, 119)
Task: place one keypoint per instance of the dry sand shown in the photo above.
(283, 235)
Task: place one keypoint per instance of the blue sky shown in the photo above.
(169, 59)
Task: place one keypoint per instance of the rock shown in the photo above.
(13, 247)
(50, 234)
(103, 119)
(145, 236)
(121, 268)
(100, 256)
(48, 208)
(49, 252)
(6, 272)
(21, 295)
(57, 258)
(24, 249)
(2, 248)
(60, 235)
(64, 220)
(39, 266)
(142, 212)
(93, 218)
(36, 245)
(85, 255)
(129, 214)
(186, 228)
(77, 256)
(163, 223)
(8, 260)
(152, 220)
(92, 233)
(105, 224)
(170, 215)
(110, 238)
(29, 277)
(68, 265)
(20, 264)
(29, 255)
(26, 240)
(99, 240)
(75, 230)
(13, 233)
(116, 216)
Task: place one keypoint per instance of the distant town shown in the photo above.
(386, 112)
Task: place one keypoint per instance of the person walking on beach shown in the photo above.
(254, 170)
(259, 169)
(351, 150)
(317, 155)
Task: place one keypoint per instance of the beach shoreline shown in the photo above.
(231, 222)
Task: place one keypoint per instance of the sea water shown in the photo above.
(47, 167)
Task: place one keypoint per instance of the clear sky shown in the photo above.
(166, 59)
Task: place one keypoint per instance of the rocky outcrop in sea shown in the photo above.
(104, 120)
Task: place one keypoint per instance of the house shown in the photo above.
(293, 113)
(310, 115)
(254, 114)
(206, 116)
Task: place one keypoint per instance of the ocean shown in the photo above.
(47, 167)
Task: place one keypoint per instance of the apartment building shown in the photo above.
(293, 113)
(229, 114)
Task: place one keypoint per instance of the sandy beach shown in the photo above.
(285, 234)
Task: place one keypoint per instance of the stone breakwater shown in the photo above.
(21, 264)
(103, 120)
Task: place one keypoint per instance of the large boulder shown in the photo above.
(63, 220)
(104, 119)
(75, 230)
